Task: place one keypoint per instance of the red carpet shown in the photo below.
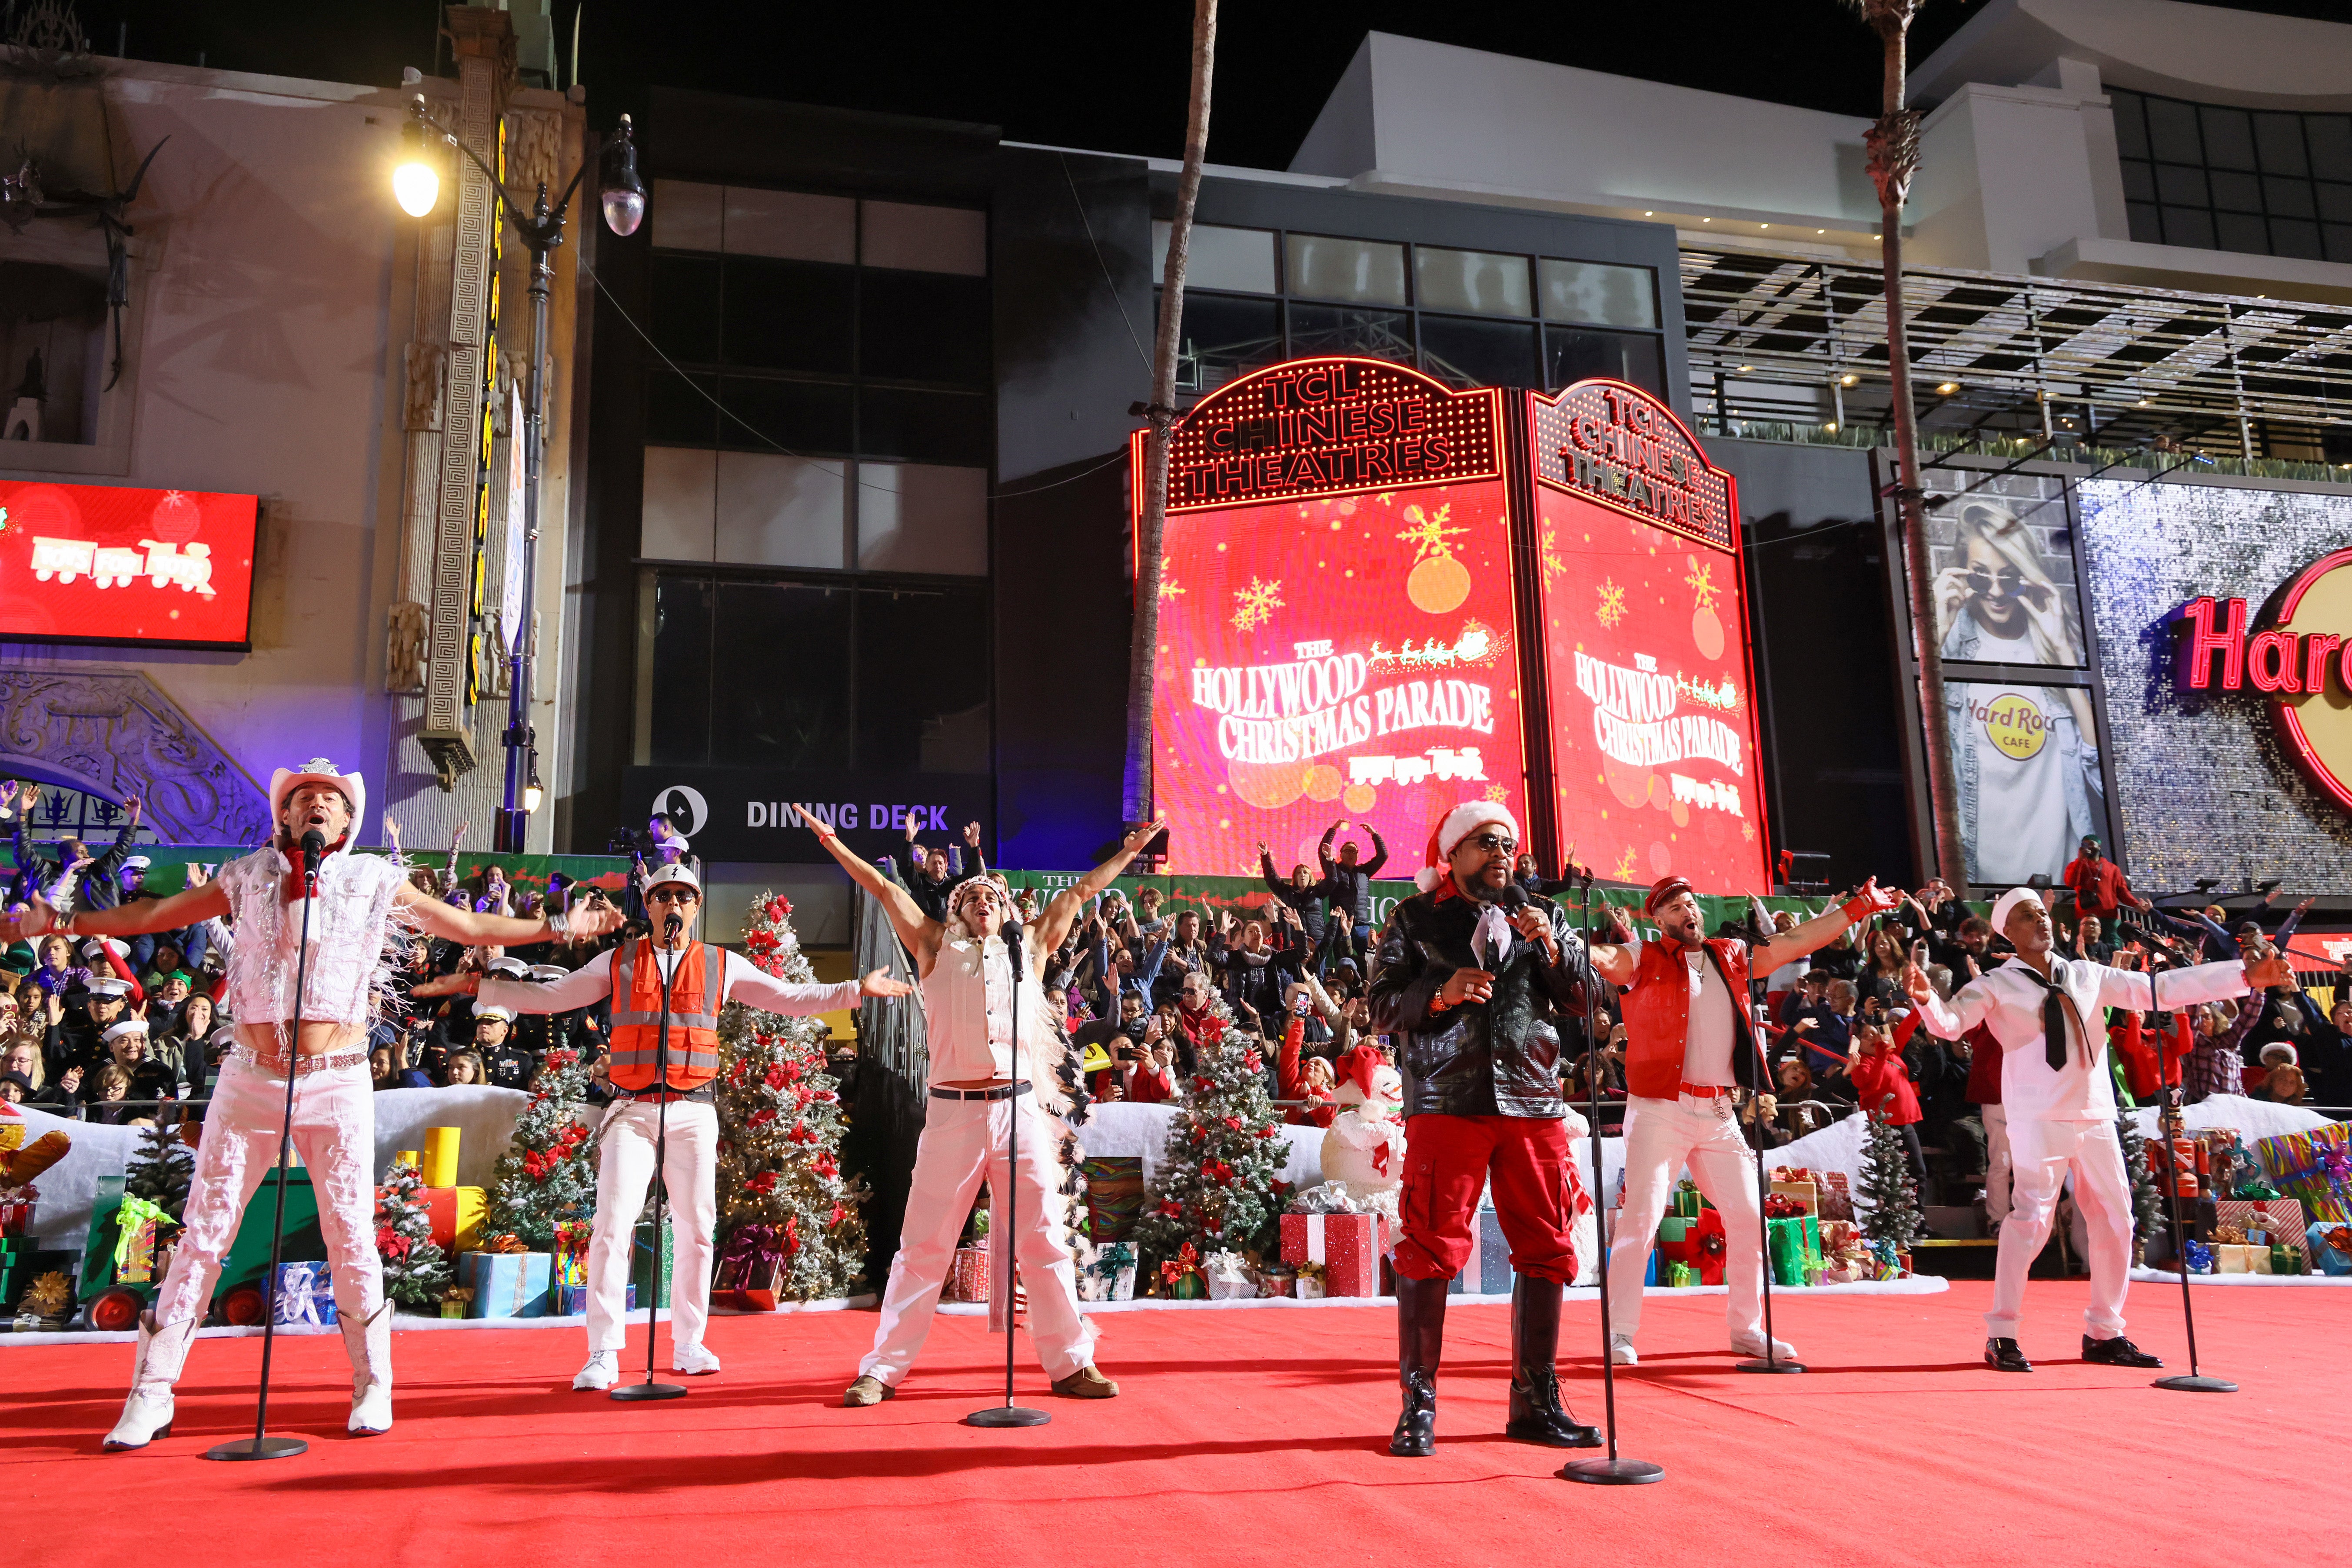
(1240, 1438)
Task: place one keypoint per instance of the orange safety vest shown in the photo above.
(637, 1015)
(1657, 1017)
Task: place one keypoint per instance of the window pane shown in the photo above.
(923, 327)
(789, 315)
(2286, 198)
(1327, 268)
(2244, 232)
(2190, 227)
(2330, 136)
(1332, 329)
(922, 680)
(1238, 259)
(1471, 353)
(2232, 193)
(925, 239)
(792, 225)
(679, 410)
(1573, 355)
(675, 520)
(917, 516)
(681, 707)
(1604, 295)
(2295, 237)
(1222, 337)
(683, 316)
(2172, 131)
(799, 715)
(809, 418)
(2144, 226)
(925, 426)
(1475, 280)
(781, 511)
(2183, 185)
(686, 215)
(2131, 129)
(2280, 138)
(2229, 137)
(2139, 182)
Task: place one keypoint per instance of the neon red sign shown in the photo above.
(94, 563)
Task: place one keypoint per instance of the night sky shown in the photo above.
(1107, 75)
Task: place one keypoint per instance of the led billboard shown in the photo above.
(93, 563)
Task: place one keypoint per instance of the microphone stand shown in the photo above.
(649, 1389)
(1763, 1221)
(1009, 1414)
(1612, 1471)
(2168, 1124)
(261, 1444)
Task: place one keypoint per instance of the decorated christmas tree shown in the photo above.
(548, 1173)
(1217, 1185)
(158, 1170)
(415, 1269)
(780, 1127)
(2148, 1199)
(1885, 1198)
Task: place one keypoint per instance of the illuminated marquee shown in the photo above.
(2302, 662)
(93, 563)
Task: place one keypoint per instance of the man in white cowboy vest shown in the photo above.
(326, 1050)
(632, 976)
(987, 1066)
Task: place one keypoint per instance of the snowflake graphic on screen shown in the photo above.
(1701, 582)
(1612, 603)
(1623, 870)
(1254, 605)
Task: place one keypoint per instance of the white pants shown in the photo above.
(1999, 1168)
(962, 1142)
(624, 1170)
(2043, 1153)
(1661, 1137)
(335, 1130)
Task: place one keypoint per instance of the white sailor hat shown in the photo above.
(108, 985)
(678, 872)
(548, 971)
(319, 770)
(510, 968)
(128, 1026)
(485, 1015)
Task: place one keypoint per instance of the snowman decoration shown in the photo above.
(1364, 1146)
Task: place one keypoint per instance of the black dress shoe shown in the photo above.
(2002, 1355)
(2116, 1352)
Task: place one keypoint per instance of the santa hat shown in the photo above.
(1459, 824)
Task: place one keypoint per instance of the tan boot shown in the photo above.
(1086, 1383)
(867, 1390)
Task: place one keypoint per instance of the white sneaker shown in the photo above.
(602, 1371)
(1622, 1352)
(371, 1412)
(692, 1360)
(1752, 1345)
(146, 1416)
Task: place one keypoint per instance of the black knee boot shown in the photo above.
(1421, 1340)
(1537, 1413)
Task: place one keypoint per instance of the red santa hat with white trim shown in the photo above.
(1459, 824)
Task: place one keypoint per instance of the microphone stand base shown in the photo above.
(1776, 1364)
(258, 1448)
(2189, 1382)
(1007, 1416)
(1612, 1472)
(648, 1390)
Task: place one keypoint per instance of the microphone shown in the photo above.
(314, 848)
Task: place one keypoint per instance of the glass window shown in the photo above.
(686, 215)
(925, 239)
(1573, 354)
(925, 517)
(1604, 295)
(2172, 130)
(1322, 267)
(2131, 123)
(2229, 137)
(923, 660)
(805, 417)
(1334, 330)
(684, 292)
(681, 672)
(925, 426)
(923, 327)
(790, 315)
(797, 717)
(1238, 259)
(676, 522)
(1473, 280)
(790, 225)
(1220, 336)
(1468, 353)
(775, 510)
(680, 409)
(2279, 137)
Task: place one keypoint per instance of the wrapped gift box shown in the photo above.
(967, 1276)
(454, 1213)
(1796, 1246)
(2329, 1248)
(1488, 1271)
(641, 1259)
(2279, 1219)
(1347, 1245)
(506, 1284)
(306, 1294)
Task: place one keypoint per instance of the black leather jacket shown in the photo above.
(1480, 1058)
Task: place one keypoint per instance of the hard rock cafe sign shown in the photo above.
(2301, 660)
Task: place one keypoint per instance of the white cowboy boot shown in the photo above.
(368, 1344)
(147, 1413)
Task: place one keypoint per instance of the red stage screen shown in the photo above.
(91, 563)
(1653, 716)
(1349, 655)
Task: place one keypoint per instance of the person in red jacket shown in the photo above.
(1881, 1079)
(2098, 884)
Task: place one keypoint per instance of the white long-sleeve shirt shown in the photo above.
(2083, 1091)
(743, 982)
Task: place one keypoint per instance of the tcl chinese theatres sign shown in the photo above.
(2302, 662)
(89, 563)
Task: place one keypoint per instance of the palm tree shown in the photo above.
(1143, 651)
(1894, 143)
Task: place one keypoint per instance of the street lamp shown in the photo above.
(417, 185)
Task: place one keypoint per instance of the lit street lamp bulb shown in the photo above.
(624, 210)
(417, 187)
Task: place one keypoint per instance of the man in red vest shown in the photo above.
(1690, 1039)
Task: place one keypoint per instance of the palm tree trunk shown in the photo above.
(1143, 651)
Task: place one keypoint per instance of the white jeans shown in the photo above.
(962, 1142)
(624, 1170)
(2043, 1153)
(2000, 1167)
(334, 1131)
(1661, 1137)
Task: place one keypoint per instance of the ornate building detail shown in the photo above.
(116, 734)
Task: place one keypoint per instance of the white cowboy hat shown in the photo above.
(317, 770)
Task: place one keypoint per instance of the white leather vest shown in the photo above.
(348, 963)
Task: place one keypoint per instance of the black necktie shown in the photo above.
(2053, 1015)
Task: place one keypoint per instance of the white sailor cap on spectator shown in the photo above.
(486, 1015)
(511, 969)
(548, 971)
(137, 1026)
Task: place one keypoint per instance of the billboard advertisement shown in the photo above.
(1337, 640)
(93, 563)
(1652, 711)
